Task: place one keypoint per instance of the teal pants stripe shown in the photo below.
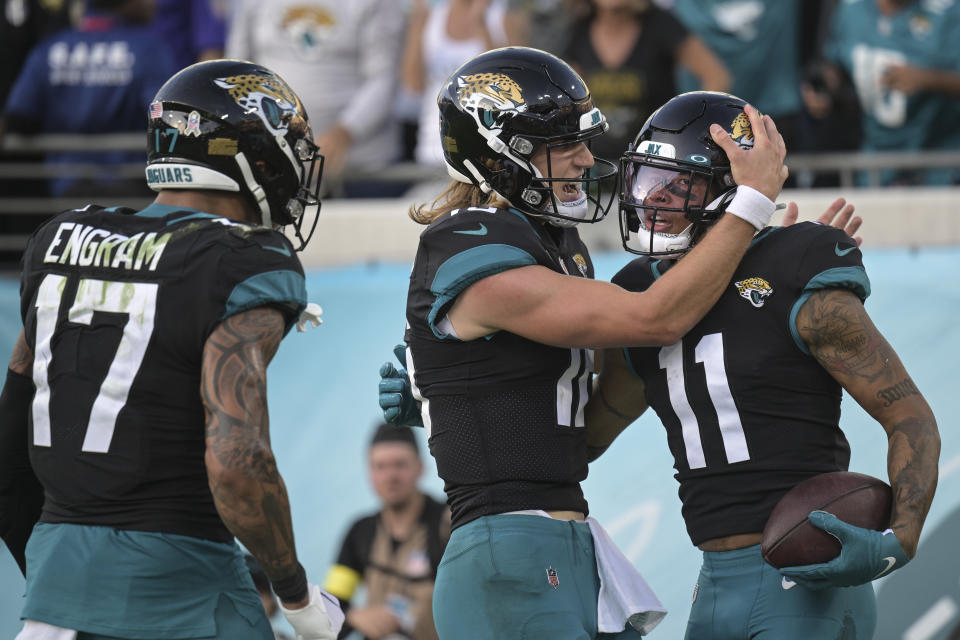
(739, 597)
(523, 577)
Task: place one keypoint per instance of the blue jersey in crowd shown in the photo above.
(924, 34)
(98, 78)
(758, 41)
(188, 28)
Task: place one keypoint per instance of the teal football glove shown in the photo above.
(396, 397)
(865, 555)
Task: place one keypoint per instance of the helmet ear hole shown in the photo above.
(266, 169)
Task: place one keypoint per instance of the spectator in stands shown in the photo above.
(904, 59)
(343, 57)
(193, 30)
(441, 36)
(395, 551)
(549, 23)
(97, 78)
(627, 55)
(267, 596)
(23, 23)
(759, 42)
(833, 117)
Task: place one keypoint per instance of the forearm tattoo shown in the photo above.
(914, 451)
(255, 509)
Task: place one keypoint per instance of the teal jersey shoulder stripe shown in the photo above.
(655, 269)
(853, 278)
(460, 271)
(286, 287)
(160, 210)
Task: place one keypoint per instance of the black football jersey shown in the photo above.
(749, 413)
(504, 414)
(117, 306)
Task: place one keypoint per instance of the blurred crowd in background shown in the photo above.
(836, 75)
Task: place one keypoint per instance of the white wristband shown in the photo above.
(752, 206)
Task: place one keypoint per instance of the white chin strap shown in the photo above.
(255, 189)
(576, 210)
(664, 243)
(670, 243)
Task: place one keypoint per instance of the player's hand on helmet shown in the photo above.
(760, 167)
(321, 619)
(839, 214)
(865, 555)
(396, 397)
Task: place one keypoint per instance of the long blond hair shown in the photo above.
(456, 196)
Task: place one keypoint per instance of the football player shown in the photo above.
(502, 317)
(138, 383)
(750, 396)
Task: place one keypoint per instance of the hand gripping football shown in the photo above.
(790, 540)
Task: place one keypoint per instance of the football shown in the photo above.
(790, 540)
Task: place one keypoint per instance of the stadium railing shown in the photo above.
(21, 162)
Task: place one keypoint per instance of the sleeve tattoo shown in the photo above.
(843, 339)
(247, 488)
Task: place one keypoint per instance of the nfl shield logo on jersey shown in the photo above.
(552, 577)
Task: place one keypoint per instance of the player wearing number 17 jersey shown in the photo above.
(138, 383)
(750, 396)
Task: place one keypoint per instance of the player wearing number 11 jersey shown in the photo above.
(750, 396)
(138, 384)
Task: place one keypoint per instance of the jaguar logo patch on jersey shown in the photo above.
(581, 264)
(552, 577)
(741, 131)
(490, 91)
(756, 290)
(269, 96)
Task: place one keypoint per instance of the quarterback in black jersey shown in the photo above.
(502, 319)
(133, 419)
(750, 396)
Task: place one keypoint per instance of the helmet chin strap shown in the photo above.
(678, 244)
(575, 209)
(255, 189)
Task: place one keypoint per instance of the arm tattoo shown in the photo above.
(899, 391)
(912, 465)
(841, 337)
(247, 488)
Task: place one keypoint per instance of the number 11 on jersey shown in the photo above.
(709, 352)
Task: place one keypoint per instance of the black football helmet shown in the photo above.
(232, 125)
(498, 109)
(674, 166)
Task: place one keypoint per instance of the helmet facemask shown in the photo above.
(294, 192)
(589, 203)
(657, 192)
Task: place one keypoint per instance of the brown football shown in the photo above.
(790, 540)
